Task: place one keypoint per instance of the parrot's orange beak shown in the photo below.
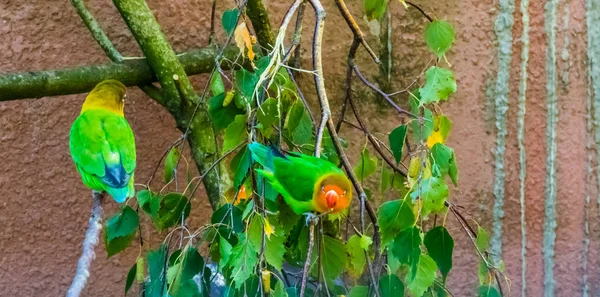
(331, 197)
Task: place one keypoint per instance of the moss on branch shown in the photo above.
(82, 79)
(257, 12)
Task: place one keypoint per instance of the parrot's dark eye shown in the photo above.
(323, 189)
(344, 194)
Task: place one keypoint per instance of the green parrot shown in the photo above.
(306, 183)
(102, 144)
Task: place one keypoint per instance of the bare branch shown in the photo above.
(89, 243)
(311, 243)
(420, 10)
(355, 28)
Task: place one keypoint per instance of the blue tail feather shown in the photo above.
(119, 194)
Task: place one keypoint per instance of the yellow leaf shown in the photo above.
(266, 280)
(416, 171)
(228, 98)
(241, 195)
(268, 229)
(441, 128)
(244, 40)
(435, 137)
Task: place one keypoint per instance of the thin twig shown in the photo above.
(298, 37)
(318, 68)
(211, 36)
(382, 93)
(374, 141)
(311, 243)
(355, 28)
(420, 10)
(107, 46)
(90, 241)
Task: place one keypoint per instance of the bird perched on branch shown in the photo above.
(102, 144)
(306, 183)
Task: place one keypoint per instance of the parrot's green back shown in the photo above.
(294, 175)
(103, 148)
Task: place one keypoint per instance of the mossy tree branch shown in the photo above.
(107, 46)
(181, 99)
(83, 79)
(257, 12)
(96, 31)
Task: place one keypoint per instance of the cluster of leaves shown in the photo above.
(256, 245)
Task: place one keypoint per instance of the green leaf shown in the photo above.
(433, 191)
(356, 256)
(191, 264)
(365, 242)
(298, 124)
(122, 224)
(229, 20)
(422, 128)
(393, 217)
(444, 162)
(274, 246)
(334, 258)
(440, 245)
(156, 265)
(483, 274)
(439, 36)
(268, 115)
(224, 251)
(172, 207)
(366, 165)
(171, 163)
(221, 114)
(391, 286)
(407, 246)
(117, 244)
(235, 133)
(245, 81)
(393, 264)
(243, 261)
(487, 291)
(229, 215)
(424, 276)
(254, 233)
(359, 291)
(439, 84)
(149, 202)
(483, 239)
(375, 9)
(386, 178)
(329, 153)
(279, 290)
(216, 84)
(396, 138)
(240, 164)
(130, 277)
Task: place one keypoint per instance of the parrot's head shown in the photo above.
(335, 194)
(108, 95)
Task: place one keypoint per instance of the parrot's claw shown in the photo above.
(310, 217)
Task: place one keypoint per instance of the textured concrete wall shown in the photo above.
(44, 207)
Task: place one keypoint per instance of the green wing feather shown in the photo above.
(103, 148)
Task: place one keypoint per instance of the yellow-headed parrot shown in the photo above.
(306, 183)
(102, 144)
